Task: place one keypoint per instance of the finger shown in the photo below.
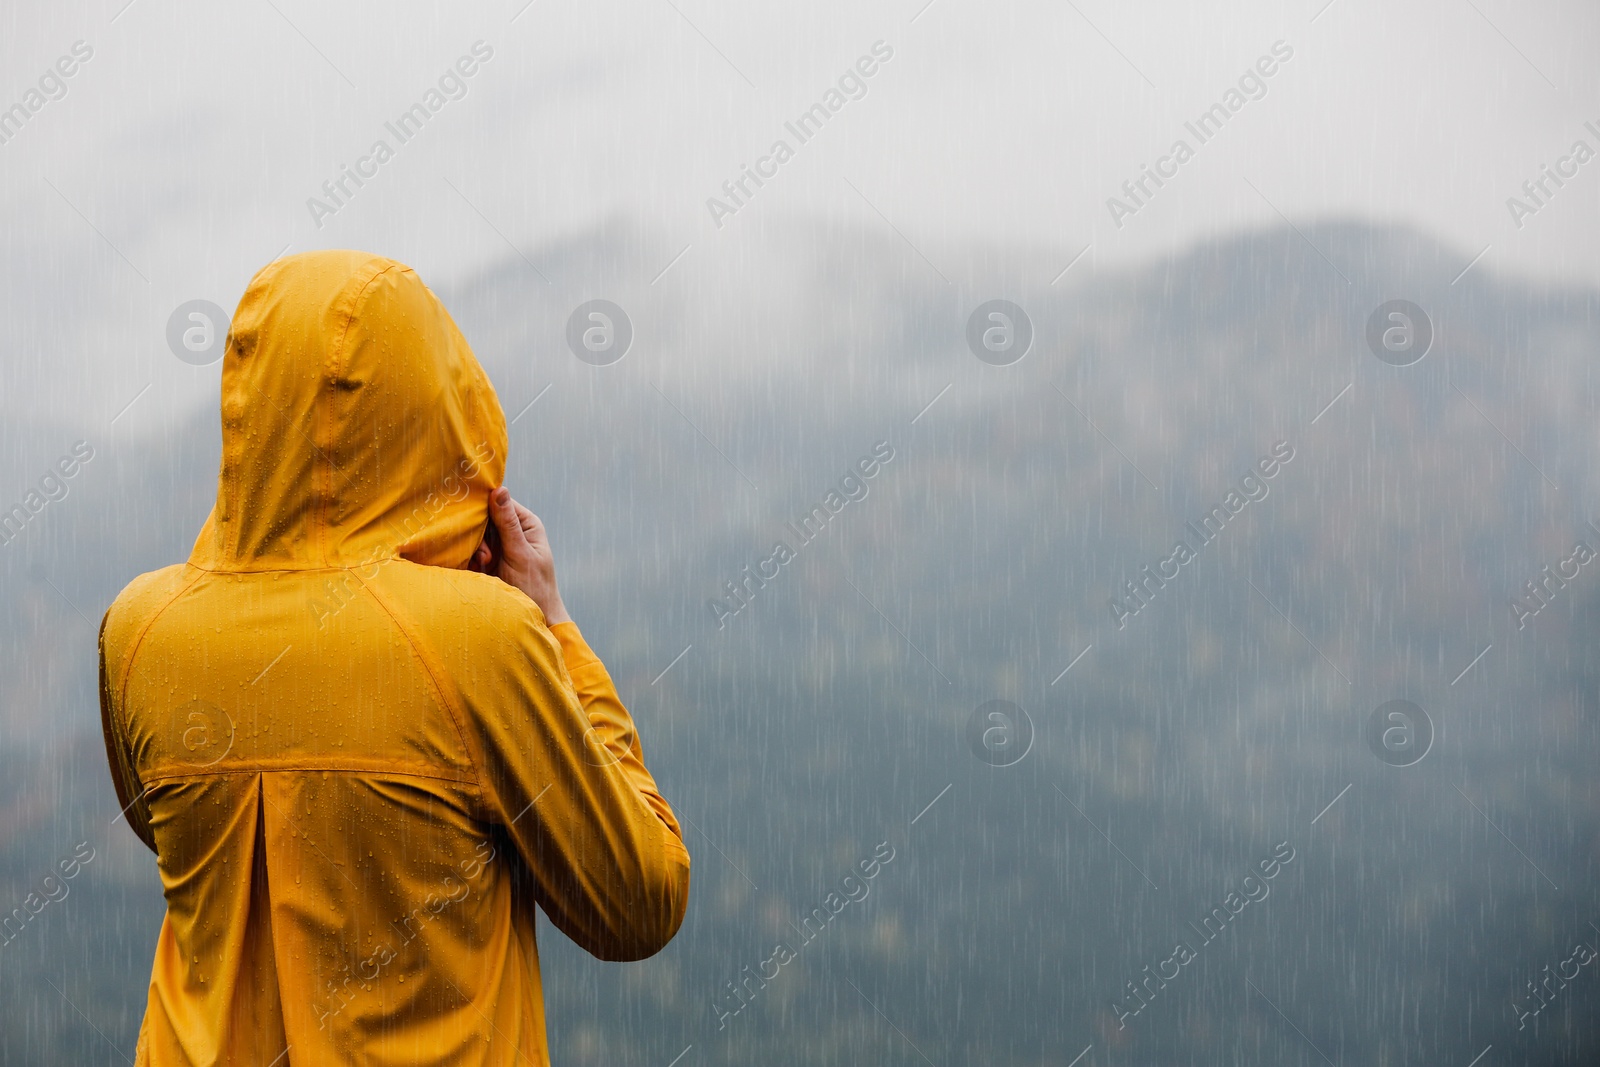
(504, 511)
(538, 538)
(532, 527)
(498, 515)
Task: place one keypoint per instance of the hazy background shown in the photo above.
(829, 314)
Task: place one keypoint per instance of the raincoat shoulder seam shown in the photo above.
(445, 698)
(126, 669)
(330, 567)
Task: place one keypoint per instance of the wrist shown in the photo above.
(555, 613)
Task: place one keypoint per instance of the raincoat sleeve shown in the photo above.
(610, 722)
(130, 791)
(566, 780)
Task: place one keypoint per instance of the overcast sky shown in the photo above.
(184, 150)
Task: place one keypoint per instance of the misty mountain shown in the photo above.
(821, 711)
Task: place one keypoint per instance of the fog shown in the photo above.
(1340, 347)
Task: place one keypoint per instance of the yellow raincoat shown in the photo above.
(360, 767)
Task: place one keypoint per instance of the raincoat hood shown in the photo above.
(357, 425)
